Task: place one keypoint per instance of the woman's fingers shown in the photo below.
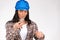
(18, 25)
(39, 34)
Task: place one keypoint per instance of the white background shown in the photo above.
(46, 14)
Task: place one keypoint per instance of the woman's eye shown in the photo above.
(25, 11)
(20, 11)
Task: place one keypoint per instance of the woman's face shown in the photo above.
(22, 13)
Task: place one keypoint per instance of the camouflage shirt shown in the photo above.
(11, 34)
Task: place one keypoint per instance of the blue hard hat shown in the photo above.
(22, 5)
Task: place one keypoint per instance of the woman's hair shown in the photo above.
(16, 18)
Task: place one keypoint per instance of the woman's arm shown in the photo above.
(37, 35)
(10, 32)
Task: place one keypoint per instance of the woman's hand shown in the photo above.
(39, 35)
(18, 25)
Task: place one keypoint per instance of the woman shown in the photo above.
(21, 27)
